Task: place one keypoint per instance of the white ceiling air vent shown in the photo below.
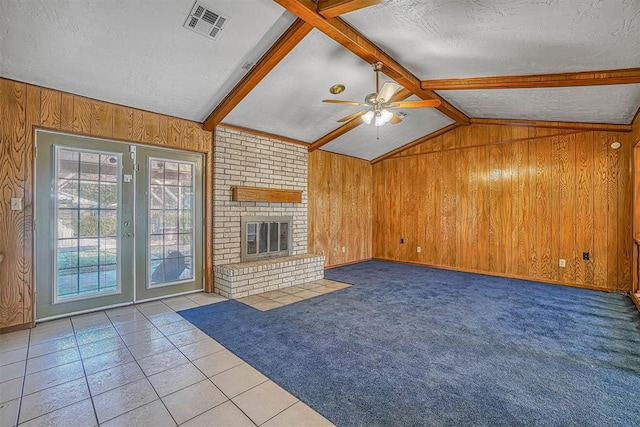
(203, 20)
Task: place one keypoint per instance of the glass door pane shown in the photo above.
(87, 223)
(84, 217)
(171, 227)
(168, 223)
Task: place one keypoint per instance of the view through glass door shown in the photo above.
(169, 210)
(109, 232)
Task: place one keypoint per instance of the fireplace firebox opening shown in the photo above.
(265, 237)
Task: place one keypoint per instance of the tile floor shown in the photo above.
(138, 365)
(274, 299)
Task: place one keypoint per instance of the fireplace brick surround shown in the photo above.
(249, 160)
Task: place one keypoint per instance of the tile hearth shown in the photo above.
(279, 298)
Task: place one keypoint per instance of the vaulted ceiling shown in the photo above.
(274, 61)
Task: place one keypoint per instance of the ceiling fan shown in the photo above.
(379, 103)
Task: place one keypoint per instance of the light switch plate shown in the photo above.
(16, 203)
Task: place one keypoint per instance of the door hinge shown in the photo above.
(35, 151)
(136, 166)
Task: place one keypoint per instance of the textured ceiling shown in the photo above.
(600, 104)
(472, 38)
(137, 53)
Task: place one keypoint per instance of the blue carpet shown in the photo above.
(410, 345)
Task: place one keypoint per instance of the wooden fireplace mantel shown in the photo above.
(242, 193)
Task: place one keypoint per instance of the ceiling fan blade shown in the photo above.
(337, 101)
(352, 116)
(416, 104)
(387, 91)
(395, 119)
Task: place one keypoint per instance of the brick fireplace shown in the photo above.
(241, 159)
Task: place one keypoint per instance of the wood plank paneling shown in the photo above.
(635, 145)
(102, 119)
(564, 157)
(483, 203)
(543, 212)
(66, 112)
(22, 107)
(600, 210)
(50, 108)
(13, 98)
(339, 207)
(123, 123)
(613, 168)
(584, 169)
(151, 128)
(625, 204)
(496, 249)
(447, 208)
(33, 117)
(436, 220)
(431, 209)
(81, 115)
(466, 218)
(513, 200)
(522, 206)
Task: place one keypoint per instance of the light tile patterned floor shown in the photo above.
(281, 297)
(140, 365)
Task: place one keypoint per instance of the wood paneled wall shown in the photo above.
(339, 213)
(23, 107)
(635, 140)
(511, 200)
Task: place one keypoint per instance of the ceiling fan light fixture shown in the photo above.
(368, 117)
(382, 117)
(386, 115)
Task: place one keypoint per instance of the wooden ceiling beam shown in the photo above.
(401, 95)
(350, 38)
(333, 8)
(285, 44)
(582, 78)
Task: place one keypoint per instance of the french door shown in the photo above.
(115, 223)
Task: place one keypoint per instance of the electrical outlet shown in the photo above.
(562, 263)
(585, 256)
(419, 249)
(344, 249)
(16, 204)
